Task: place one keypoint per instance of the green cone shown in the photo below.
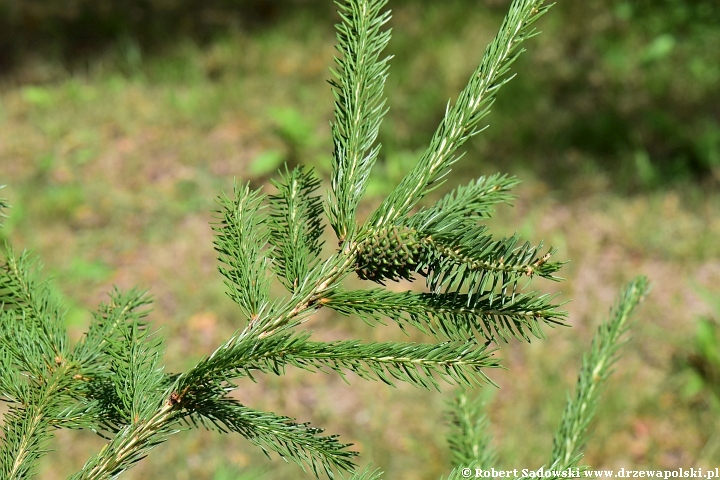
(390, 253)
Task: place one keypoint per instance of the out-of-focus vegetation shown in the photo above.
(698, 370)
(628, 87)
(121, 121)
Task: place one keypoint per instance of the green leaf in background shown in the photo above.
(267, 162)
(37, 96)
(659, 48)
(294, 127)
(92, 270)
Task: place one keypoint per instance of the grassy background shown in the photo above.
(114, 143)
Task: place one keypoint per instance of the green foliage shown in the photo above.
(596, 368)
(453, 316)
(299, 442)
(468, 436)
(698, 369)
(295, 225)
(112, 381)
(630, 94)
(36, 369)
(462, 120)
(704, 359)
(359, 106)
(241, 234)
(701, 362)
(638, 103)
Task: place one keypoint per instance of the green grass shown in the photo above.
(112, 176)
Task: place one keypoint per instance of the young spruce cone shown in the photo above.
(393, 253)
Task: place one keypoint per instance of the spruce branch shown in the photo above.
(366, 474)
(413, 363)
(461, 363)
(451, 315)
(461, 121)
(469, 438)
(112, 382)
(295, 441)
(359, 106)
(595, 370)
(309, 297)
(469, 259)
(460, 253)
(12, 387)
(99, 408)
(131, 444)
(38, 311)
(134, 367)
(86, 414)
(109, 323)
(295, 225)
(240, 236)
(21, 344)
(149, 415)
(453, 252)
(471, 203)
(37, 376)
(27, 426)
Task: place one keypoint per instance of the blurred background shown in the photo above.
(121, 121)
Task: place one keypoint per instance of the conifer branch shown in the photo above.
(451, 315)
(295, 225)
(461, 121)
(461, 363)
(366, 474)
(295, 441)
(469, 435)
(99, 407)
(27, 425)
(35, 305)
(134, 367)
(416, 364)
(359, 106)
(109, 323)
(36, 374)
(240, 236)
(130, 445)
(112, 381)
(595, 370)
(12, 387)
(477, 262)
(466, 204)
(446, 244)
(142, 403)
